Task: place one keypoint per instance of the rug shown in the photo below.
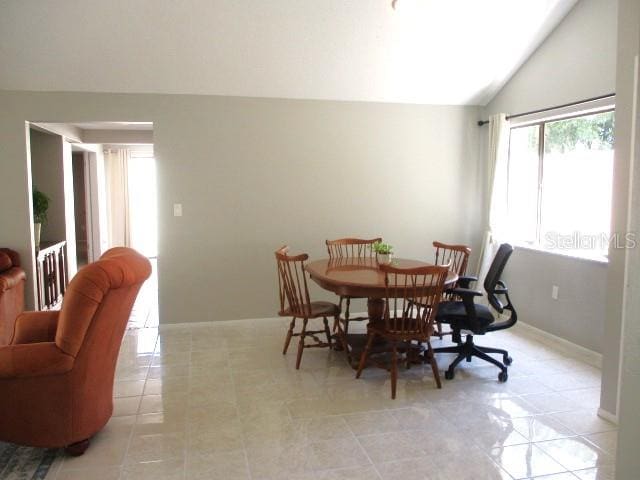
(25, 463)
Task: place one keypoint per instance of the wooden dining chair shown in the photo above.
(349, 248)
(404, 320)
(295, 303)
(457, 256)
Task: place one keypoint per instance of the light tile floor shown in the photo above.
(220, 401)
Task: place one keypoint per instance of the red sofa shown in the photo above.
(12, 279)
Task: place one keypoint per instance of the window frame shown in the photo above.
(541, 124)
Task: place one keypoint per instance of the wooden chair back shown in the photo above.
(456, 255)
(351, 247)
(292, 284)
(412, 298)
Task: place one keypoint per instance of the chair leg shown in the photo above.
(480, 354)
(326, 330)
(434, 364)
(301, 343)
(439, 330)
(492, 350)
(468, 350)
(343, 342)
(336, 320)
(450, 371)
(292, 325)
(447, 349)
(365, 354)
(394, 370)
(506, 359)
(346, 316)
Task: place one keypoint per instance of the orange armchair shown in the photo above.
(12, 279)
(56, 376)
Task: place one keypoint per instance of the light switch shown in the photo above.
(554, 292)
(177, 209)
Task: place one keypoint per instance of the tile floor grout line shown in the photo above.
(187, 430)
(475, 378)
(375, 468)
(133, 428)
(244, 445)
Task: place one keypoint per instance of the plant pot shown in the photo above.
(383, 258)
(37, 227)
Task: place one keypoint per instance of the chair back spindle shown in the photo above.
(292, 283)
(351, 247)
(456, 255)
(412, 298)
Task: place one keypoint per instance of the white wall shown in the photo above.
(628, 461)
(576, 62)
(48, 176)
(69, 209)
(127, 137)
(329, 49)
(253, 174)
(626, 289)
(576, 316)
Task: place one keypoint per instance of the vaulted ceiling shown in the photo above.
(423, 51)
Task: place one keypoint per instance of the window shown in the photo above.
(559, 186)
(143, 213)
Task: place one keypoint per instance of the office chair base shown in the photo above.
(468, 349)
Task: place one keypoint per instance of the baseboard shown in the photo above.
(170, 326)
(582, 353)
(608, 416)
(588, 356)
(575, 350)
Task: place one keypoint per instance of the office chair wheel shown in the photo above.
(449, 375)
(507, 360)
(503, 376)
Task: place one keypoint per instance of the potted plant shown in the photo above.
(40, 207)
(383, 252)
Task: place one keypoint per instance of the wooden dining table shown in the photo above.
(361, 277)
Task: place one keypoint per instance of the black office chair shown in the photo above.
(477, 319)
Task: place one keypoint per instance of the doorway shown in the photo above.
(80, 207)
(101, 194)
(142, 202)
(131, 192)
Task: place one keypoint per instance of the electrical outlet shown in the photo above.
(177, 209)
(554, 292)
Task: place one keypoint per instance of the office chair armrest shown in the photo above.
(503, 290)
(465, 292)
(465, 280)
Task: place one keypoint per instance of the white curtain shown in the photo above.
(497, 176)
(116, 163)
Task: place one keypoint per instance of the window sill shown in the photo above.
(602, 260)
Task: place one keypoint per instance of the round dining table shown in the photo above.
(361, 278)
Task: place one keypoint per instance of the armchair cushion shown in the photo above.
(12, 281)
(35, 327)
(11, 278)
(33, 360)
(455, 313)
(5, 262)
(117, 269)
